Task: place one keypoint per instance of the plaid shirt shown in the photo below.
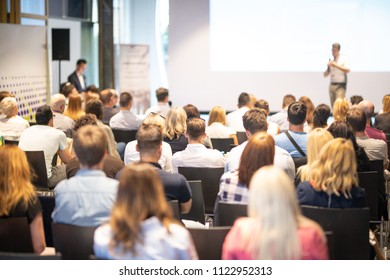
(231, 191)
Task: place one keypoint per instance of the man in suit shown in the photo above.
(77, 78)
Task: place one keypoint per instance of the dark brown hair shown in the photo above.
(196, 127)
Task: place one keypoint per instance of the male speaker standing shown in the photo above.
(77, 78)
(338, 69)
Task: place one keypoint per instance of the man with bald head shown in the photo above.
(368, 108)
(61, 122)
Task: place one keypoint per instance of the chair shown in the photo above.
(349, 227)
(197, 212)
(10, 142)
(210, 177)
(241, 137)
(73, 242)
(227, 213)
(15, 235)
(367, 180)
(47, 200)
(330, 242)
(36, 160)
(124, 136)
(209, 241)
(222, 144)
(27, 256)
(175, 209)
(377, 165)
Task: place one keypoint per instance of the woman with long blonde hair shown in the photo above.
(17, 194)
(340, 109)
(141, 224)
(74, 109)
(382, 120)
(217, 125)
(175, 126)
(274, 228)
(332, 181)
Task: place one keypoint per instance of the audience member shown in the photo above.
(61, 122)
(234, 119)
(107, 97)
(332, 181)
(74, 109)
(372, 132)
(125, 119)
(87, 198)
(141, 225)
(355, 100)
(309, 113)
(11, 125)
(294, 140)
(4, 94)
(217, 125)
(67, 89)
(340, 109)
(275, 228)
(175, 126)
(132, 154)
(281, 117)
(320, 116)
(273, 128)
(44, 137)
(17, 194)
(191, 111)
(382, 120)
(162, 107)
(196, 154)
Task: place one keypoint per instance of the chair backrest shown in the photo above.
(368, 181)
(175, 209)
(209, 241)
(222, 144)
(15, 235)
(27, 256)
(73, 242)
(241, 137)
(197, 212)
(330, 243)
(349, 227)
(124, 136)
(47, 200)
(229, 212)
(36, 159)
(377, 165)
(11, 142)
(210, 178)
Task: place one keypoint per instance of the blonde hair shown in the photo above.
(317, 139)
(334, 171)
(175, 124)
(386, 104)
(340, 109)
(8, 106)
(140, 196)
(155, 119)
(15, 179)
(310, 108)
(273, 205)
(217, 114)
(74, 110)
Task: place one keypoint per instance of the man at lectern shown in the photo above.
(77, 78)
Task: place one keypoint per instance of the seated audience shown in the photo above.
(234, 119)
(332, 181)
(296, 147)
(275, 228)
(141, 224)
(281, 117)
(372, 132)
(125, 119)
(255, 121)
(196, 154)
(193, 112)
(309, 113)
(74, 109)
(87, 198)
(355, 100)
(340, 109)
(91, 92)
(44, 137)
(217, 125)
(273, 128)
(162, 107)
(259, 152)
(107, 96)
(61, 122)
(382, 120)
(175, 126)
(320, 116)
(11, 125)
(111, 164)
(132, 154)
(17, 194)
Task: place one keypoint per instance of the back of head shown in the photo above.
(125, 99)
(175, 123)
(87, 119)
(8, 107)
(296, 113)
(342, 129)
(262, 104)
(357, 119)
(273, 205)
(4, 94)
(43, 115)
(92, 89)
(287, 100)
(310, 108)
(196, 127)
(89, 144)
(149, 138)
(356, 99)
(244, 100)
(155, 119)
(317, 138)
(58, 102)
(340, 109)
(162, 94)
(106, 95)
(259, 152)
(368, 108)
(74, 103)
(386, 104)
(321, 115)
(217, 114)
(255, 120)
(66, 89)
(94, 107)
(191, 111)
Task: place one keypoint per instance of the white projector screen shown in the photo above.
(221, 48)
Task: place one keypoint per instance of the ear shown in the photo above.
(248, 134)
(186, 135)
(136, 147)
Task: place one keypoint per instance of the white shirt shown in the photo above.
(218, 130)
(282, 160)
(63, 123)
(374, 148)
(161, 108)
(43, 138)
(81, 80)
(132, 155)
(273, 128)
(125, 120)
(281, 119)
(234, 119)
(12, 128)
(197, 155)
(337, 75)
